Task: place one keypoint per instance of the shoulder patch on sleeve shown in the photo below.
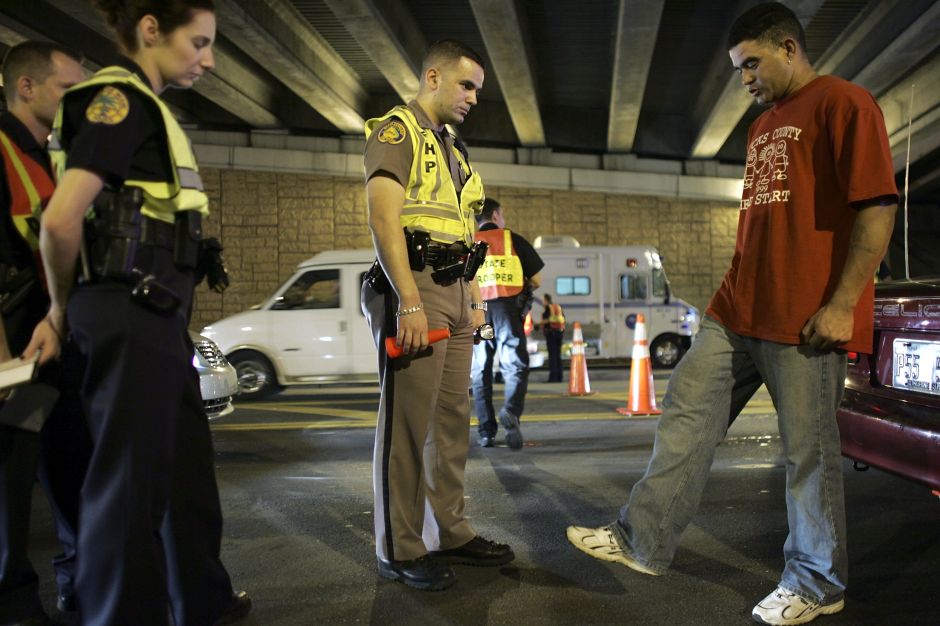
(393, 133)
(109, 106)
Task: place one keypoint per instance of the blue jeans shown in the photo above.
(510, 340)
(707, 391)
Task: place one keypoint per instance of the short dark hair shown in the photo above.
(490, 206)
(123, 15)
(769, 22)
(548, 297)
(33, 59)
(449, 51)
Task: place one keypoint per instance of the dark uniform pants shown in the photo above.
(150, 525)
(423, 433)
(19, 452)
(60, 449)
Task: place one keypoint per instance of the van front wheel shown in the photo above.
(665, 351)
(256, 377)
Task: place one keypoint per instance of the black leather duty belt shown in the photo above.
(440, 255)
(157, 233)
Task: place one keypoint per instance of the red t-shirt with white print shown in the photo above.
(810, 157)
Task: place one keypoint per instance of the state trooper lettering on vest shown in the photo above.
(501, 275)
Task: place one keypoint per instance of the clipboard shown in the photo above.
(28, 406)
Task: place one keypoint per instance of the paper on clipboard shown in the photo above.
(18, 371)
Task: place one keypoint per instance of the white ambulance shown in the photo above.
(605, 288)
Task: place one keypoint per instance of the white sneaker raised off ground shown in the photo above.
(785, 607)
(601, 544)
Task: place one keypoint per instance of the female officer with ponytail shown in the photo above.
(150, 526)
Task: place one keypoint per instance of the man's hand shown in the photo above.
(412, 332)
(829, 327)
(47, 337)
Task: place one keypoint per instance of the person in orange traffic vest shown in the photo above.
(509, 273)
(553, 326)
(35, 75)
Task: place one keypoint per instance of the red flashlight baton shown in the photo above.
(434, 335)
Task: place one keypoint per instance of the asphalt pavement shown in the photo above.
(295, 479)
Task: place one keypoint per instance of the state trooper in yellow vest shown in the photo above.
(150, 522)
(35, 74)
(506, 279)
(422, 196)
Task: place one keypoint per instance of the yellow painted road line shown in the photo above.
(361, 419)
(330, 411)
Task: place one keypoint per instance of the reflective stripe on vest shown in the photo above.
(432, 203)
(162, 199)
(500, 276)
(556, 318)
(30, 189)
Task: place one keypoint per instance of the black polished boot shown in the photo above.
(477, 551)
(421, 573)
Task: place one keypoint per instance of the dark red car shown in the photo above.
(890, 415)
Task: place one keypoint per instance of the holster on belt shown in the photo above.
(188, 235)
(116, 229)
(377, 279)
(417, 242)
(112, 235)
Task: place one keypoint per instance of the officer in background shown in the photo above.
(150, 522)
(553, 327)
(422, 195)
(35, 75)
(507, 279)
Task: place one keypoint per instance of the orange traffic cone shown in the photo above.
(578, 383)
(642, 400)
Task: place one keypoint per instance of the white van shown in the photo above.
(310, 331)
(605, 288)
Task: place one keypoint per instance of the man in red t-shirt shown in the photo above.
(816, 215)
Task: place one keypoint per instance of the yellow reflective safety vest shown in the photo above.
(556, 317)
(162, 199)
(432, 203)
(500, 276)
(30, 189)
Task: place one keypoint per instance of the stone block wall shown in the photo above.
(270, 222)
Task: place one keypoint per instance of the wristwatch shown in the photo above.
(478, 306)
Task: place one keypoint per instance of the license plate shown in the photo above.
(917, 365)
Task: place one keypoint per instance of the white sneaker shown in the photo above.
(785, 607)
(601, 544)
